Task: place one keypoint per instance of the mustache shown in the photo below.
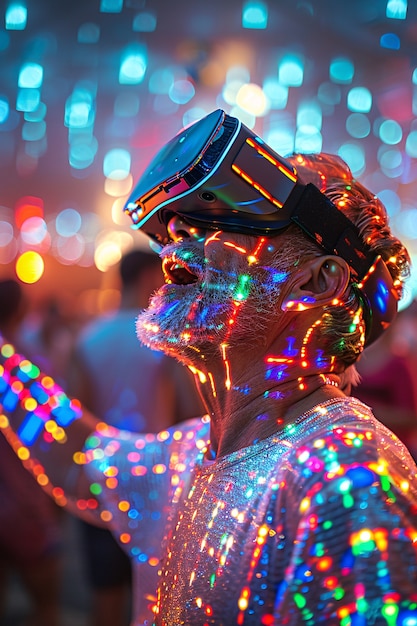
(267, 279)
(188, 251)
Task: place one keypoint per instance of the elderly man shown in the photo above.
(289, 503)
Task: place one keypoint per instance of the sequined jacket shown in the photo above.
(314, 525)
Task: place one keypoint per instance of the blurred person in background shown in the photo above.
(49, 332)
(134, 388)
(30, 524)
(388, 382)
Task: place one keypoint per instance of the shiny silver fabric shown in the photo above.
(314, 525)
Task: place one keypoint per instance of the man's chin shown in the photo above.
(177, 336)
(171, 341)
(190, 322)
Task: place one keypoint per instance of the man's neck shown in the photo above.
(251, 394)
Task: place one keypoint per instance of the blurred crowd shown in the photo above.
(101, 362)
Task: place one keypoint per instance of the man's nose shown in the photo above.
(179, 229)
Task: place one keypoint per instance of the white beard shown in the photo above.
(185, 321)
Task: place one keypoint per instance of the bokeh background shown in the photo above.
(89, 90)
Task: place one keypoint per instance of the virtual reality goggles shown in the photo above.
(219, 175)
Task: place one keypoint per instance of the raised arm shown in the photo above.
(75, 457)
(46, 429)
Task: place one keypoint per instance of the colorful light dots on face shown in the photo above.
(229, 244)
(276, 372)
(297, 305)
(252, 259)
(201, 376)
(242, 289)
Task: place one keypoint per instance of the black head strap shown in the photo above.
(333, 231)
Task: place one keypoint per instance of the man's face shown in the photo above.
(219, 289)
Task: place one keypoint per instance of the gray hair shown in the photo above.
(342, 327)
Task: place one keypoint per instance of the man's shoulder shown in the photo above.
(342, 425)
(349, 443)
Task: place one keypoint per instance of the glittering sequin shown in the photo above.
(314, 525)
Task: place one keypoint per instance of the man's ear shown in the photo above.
(320, 281)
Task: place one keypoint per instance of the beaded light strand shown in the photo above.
(46, 406)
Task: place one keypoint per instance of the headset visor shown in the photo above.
(218, 174)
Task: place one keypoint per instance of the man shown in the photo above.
(290, 503)
(131, 387)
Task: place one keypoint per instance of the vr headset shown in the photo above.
(218, 175)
